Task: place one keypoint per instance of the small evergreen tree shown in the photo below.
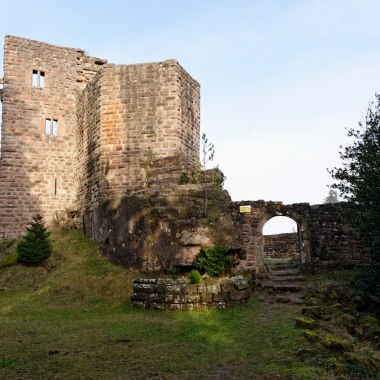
(35, 246)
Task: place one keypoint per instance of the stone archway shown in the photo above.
(281, 239)
(301, 222)
(251, 227)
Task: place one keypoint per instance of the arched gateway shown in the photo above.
(323, 239)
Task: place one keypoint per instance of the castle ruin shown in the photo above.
(119, 145)
(71, 121)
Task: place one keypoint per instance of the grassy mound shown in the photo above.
(75, 273)
(70, 318)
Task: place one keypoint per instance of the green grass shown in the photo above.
(71, 319)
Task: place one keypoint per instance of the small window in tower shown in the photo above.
(38, 78)
(35, 78)
(51, 127)
(55, 128)
(48, 127)
(42, 79)
(55, 186)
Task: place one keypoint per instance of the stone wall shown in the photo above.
(131, 118)
(281, 245)
(157, 228)
(168, 294)
(325, 241)
(36, 170)
(121, 129)
(333, 244)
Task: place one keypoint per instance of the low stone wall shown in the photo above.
(169, 294)
(281, 245)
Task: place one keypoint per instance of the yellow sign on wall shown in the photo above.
(245, 209)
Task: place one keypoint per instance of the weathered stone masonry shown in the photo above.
(324, 240)
(115, 142)
(168, 294)
(37, 170)
(116, 125)
(131, 118)
(281, 245)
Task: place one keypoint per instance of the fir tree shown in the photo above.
(35, 246)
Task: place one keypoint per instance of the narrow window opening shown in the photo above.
(35, 78)
(55, 127)
(38, 78)
(42, 79)
(48, 127)
(55, 186)
(51, 127)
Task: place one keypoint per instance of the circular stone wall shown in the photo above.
(169, 294)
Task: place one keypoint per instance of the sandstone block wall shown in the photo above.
(36, 170)
(281, 245)
(333, 243)
(168, 294)
(121, 129)
(325, 241)
(131, 117)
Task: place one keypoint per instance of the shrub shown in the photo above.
(183, 179)
(35, 246)
(195, 277)
(211, 260)
(173, 271)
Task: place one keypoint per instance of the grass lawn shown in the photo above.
(71, 319)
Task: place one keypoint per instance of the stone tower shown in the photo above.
(76, 130)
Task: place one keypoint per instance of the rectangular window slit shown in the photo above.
(35, 78)
(42, 79)
(48, 127)
(55, 128)
(55, 186)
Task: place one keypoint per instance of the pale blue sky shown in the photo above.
(280, 80)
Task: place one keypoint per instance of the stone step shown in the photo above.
(285, 272)
(287, 287)
(285, 279)
(282, 266)
(279, 287)
(288, 299)
(283, 299)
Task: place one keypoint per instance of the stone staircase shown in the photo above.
(284, 282)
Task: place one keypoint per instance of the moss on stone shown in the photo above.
(306, 323)
(336, 343)
(310, 335)
(316, 312)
